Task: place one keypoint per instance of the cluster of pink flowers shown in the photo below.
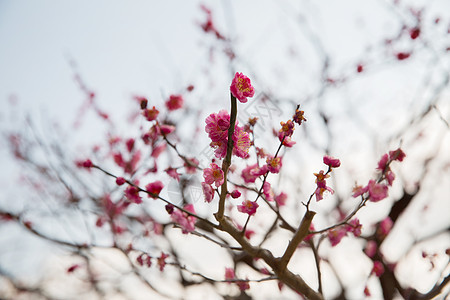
(186, 221)
(287, 128)
(248, 207)
(174, 102)
(322, 176)
(376, 190)
(250, 173)
(335, 235)
(217, 128)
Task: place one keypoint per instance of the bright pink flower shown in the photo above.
(287, 142)
(235, 194)
(241, 143)
(175, 102)
(355, 227)
(321, 185)
(287, 129)
(331, 162)
(229, 274)
(213, 175)
(132, 194)
(390, 177)
(217, 126)
(186, 221)
(130, 144)
(267, 191)
(220, 148)
(377, 191)
(383, 163)
(166, 129)
(208, 192)
(120, 180)
(250, 173)
(371, 248)
(150, 114)
(397, 155)
(241, 87)
(378, 268)
(154, 189)
(274, 164)
(87, 164)
(335, 235)
(162, 261)
(385, 226)
(281, 198)
(172, 172)
(248, 207)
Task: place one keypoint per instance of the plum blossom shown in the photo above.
(287, 129)
(335, 235)
(214, 174)
(132, 194)
(248, 207)
(174, 102)
(274, 164)
(186, 221)
(371, 248)
(385, 227)
(377, 191)
(250, 173)
(241, 87)
(241, 143)
(298, 116)
(331, 162)
(208, 191)
(154, 189)
(321, 185)
(281, 198)
(217, 126)
(267, 191)
(150, 114)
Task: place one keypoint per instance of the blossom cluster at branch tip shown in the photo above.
(274, 164)
(321, 185)
(241, 87)
(150, 114)
(299, 116)
(248, 207)
(186, 221)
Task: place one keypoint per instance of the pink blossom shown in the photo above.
(355, 227)
(150, 114)
(267, 191)
(287, 129)
(175, 102)
(321, 185)
(383, 163)
(208, 192)
(274, 164)
(287, 142)
(229, 274)
(241, 87)
(162, 261)
(243, 285)
(217, 126)
(397, 155)
(87, 164)
(130, 144)
(331, 162)
(248, 207)
(154, 189)
(335, 235)
(220, 148)
(281, 198)
(250, 173)
(377, 191)
(132, 194)
(367, 291)
(166, 129)
(235, 194)
(385, 226)
(172, 172)
(186, 221)
(213, 175)
(120, 180)
(378, 268)
(371, 248)
(241, 143)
